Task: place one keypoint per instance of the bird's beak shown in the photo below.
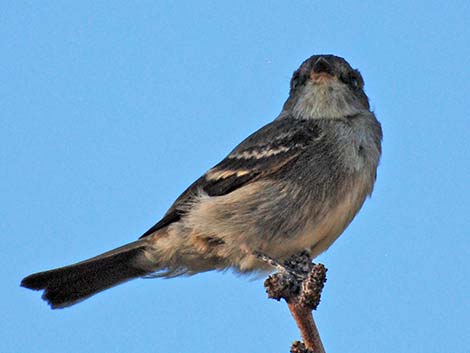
(321, 71)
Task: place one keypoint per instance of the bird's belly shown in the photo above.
(232, 241)
(320, 231)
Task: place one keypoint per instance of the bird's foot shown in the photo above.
(297, 266)
(297, 277)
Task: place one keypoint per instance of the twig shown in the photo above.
(304, 319)
(299, 283)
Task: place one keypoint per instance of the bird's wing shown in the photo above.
(262, 154)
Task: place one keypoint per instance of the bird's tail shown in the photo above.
(69, 285)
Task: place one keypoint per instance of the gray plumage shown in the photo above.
(293, 185)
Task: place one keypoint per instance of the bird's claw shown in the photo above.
(297, 266)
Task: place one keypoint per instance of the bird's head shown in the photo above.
(326, 86)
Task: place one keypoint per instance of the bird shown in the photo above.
(294, 185)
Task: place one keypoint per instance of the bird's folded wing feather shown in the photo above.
(262, 154)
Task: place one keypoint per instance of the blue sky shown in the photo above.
(109, 110)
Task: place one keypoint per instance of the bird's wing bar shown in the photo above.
(262, 154)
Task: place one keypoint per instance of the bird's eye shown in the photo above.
(294, 83)
(352, 79)
(355, 80)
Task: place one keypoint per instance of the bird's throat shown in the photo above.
(326, 100)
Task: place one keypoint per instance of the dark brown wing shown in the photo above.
(264, 153)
